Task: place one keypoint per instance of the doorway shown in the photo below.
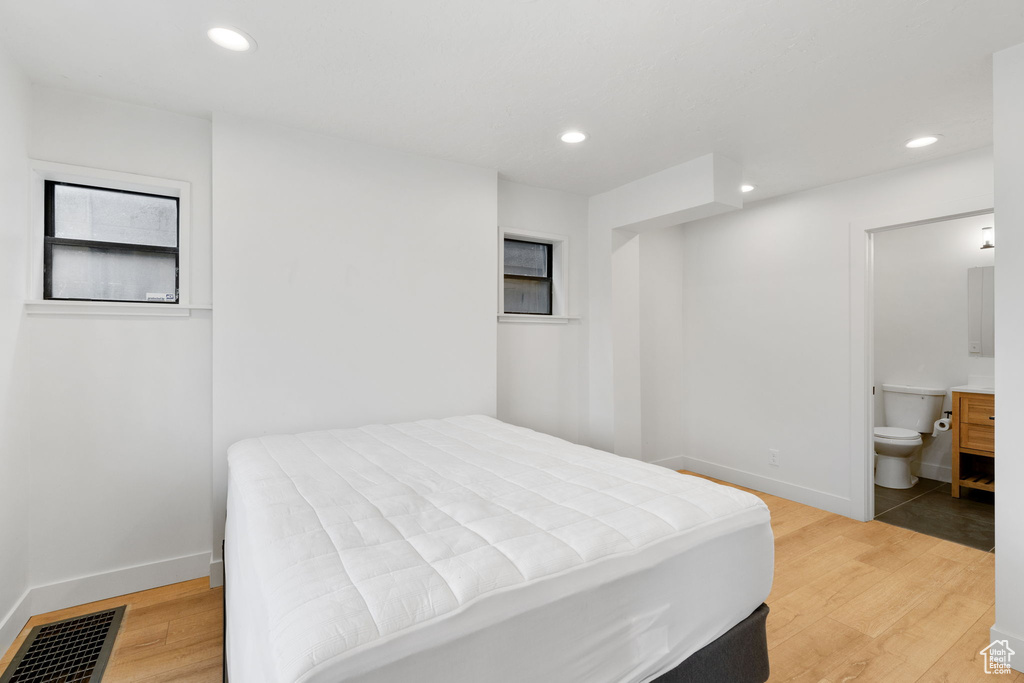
(861, 434)
(932, 292)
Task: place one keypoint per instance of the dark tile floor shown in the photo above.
(929, 509)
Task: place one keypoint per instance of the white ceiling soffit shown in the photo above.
(800, 92)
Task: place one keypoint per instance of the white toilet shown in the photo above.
(909, 412)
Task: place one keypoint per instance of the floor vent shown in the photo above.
(75, 650)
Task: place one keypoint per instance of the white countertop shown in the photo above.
(970, 389)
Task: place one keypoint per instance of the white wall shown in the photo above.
(1009, 170)
(661, 329)
(15, 444)
(600, 412)
(627, 401)
(542, 366)
(765, 338)
(920, 305)
(354, 285)
(617, 221)
(120, 407)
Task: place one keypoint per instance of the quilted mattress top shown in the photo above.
(364, 533)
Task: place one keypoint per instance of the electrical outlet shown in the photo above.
(773, 457)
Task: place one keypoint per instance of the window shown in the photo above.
(106, 244)
(528, 282)
(533, 276)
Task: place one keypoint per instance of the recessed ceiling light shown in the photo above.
(747, 188)
(231, 39)
(573, 136)
(923, 141)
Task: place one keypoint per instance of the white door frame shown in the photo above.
(862, 347)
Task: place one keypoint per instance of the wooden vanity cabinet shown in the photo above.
(974, 442)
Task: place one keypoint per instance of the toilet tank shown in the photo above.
(914, 408)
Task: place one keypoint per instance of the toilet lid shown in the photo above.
(896, 433)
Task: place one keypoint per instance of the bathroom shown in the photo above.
(933, 323)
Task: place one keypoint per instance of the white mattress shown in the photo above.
(467, 549)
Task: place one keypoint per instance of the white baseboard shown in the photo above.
(118, 582)
(63, 594)
(800, 494)
(1016, 644)
(216, 573)
(14, 621)
(938, 472)
(676, 463)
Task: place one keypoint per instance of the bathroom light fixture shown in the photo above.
(923, 141)
(988, 238)
(747, 188)
(231, 39)
(573, 136)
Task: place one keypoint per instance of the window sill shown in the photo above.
(110, 308)
(542, 319)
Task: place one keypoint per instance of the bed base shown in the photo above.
(740, 655)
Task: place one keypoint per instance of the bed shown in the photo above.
(467, 549)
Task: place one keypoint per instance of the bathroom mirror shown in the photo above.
(981, 311)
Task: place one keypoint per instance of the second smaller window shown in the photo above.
(528, 285)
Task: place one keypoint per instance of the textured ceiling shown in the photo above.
(800, 92)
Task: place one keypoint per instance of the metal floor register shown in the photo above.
(74, 650)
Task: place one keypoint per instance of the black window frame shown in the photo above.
(50, 240)
(550, 249)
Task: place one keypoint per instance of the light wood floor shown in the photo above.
(852, 601)
(172, 633)
(866, 602)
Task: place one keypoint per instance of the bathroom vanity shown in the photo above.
(974, 449)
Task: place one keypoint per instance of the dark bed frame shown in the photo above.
(740, 655)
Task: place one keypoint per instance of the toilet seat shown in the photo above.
(896, 433)
(894, 447)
